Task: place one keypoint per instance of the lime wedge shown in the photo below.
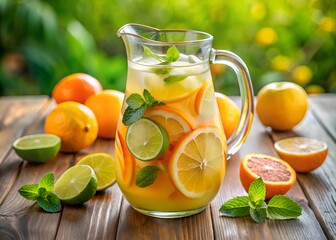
(147, 139)
(76, 185)
(103, 166)
(38, 148)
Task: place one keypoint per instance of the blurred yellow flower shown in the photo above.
(302, 75)
(258, 11)
(266, 36)
(314, 89)
(281, 63)
(328, 24)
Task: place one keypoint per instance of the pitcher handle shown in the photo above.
(246, 91)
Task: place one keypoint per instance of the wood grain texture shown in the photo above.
(97, 218)
(323, 108)
(16, 114)
(109, 216)
(319, 185)
(245, 228)
(133, 225)
(21, 218)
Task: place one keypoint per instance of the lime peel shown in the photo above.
(76, 185)
(37, 148)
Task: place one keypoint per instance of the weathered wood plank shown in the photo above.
(97, 218)
(319, 185)
(324, 109)
(244, 228)
(21, 218)
(133, 225)
(16, 114)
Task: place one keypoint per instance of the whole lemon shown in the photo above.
(281, 105)
(74, 123)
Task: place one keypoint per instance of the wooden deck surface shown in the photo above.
(109, 216)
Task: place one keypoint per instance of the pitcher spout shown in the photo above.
(136, 30)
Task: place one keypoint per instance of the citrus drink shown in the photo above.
(182, 170)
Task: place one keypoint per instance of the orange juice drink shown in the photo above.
(189, 173)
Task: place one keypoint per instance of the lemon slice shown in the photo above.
(205, 103)
(303, 154)
(103, 166)
(147, 139)
(169, 118)
(38, 148)
(198, 162)
(76, 185)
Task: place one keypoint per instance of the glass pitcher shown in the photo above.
(170, 145)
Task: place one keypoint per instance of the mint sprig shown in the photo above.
(42, 193)
(278, 208)
(137, 106)
(146, 176)
(172, 55)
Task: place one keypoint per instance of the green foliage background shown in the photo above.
(43, 41)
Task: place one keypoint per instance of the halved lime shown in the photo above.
(103, 166)
(37, 148)
(76, 185)
(147, 139)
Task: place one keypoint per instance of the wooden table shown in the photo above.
(109, 216)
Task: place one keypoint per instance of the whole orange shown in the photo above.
(76, 87)
(106, 105)
(74, 123)
(229, 112)
(281, 105)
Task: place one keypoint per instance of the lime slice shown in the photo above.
(77, 185)
(147, 139)
(103, 166)
(38, 148)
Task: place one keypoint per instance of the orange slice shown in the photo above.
(277, 174)
(205, 103)
(125, 160)
(175, 124)
(198, 162)
(303, 154)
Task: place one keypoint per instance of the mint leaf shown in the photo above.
(49, 203)
(146, 176)
(42, 192)
(236, 207)
(47, 182)
(132, 115)
(137, 106)
(259, 214)
(257, 191)
(282, 207)
(29, 191)
(149, 53)
(149, 99)
(257, 204)
(175, 78)
(135, 101)
(172, 54)
(161, 70)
